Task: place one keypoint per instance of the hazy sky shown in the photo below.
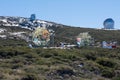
(80, 13)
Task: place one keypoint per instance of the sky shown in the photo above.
(78, 13)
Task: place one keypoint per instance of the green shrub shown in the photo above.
(30, 77)
(90, 56)
(106, 62)
(16, 66)
(107, 72)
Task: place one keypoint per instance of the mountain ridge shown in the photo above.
(25, 22)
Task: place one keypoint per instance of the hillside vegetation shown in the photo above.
(19, 62)
(23, 63)
(66, 33)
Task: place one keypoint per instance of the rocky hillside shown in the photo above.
(25, 22)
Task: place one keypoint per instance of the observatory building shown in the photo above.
(32, 17)
(109, 23)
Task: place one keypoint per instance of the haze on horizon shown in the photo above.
(80, 13)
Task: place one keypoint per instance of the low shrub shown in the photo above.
(106, 62)
(30, 77)
(63, 71)
(108, 73)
